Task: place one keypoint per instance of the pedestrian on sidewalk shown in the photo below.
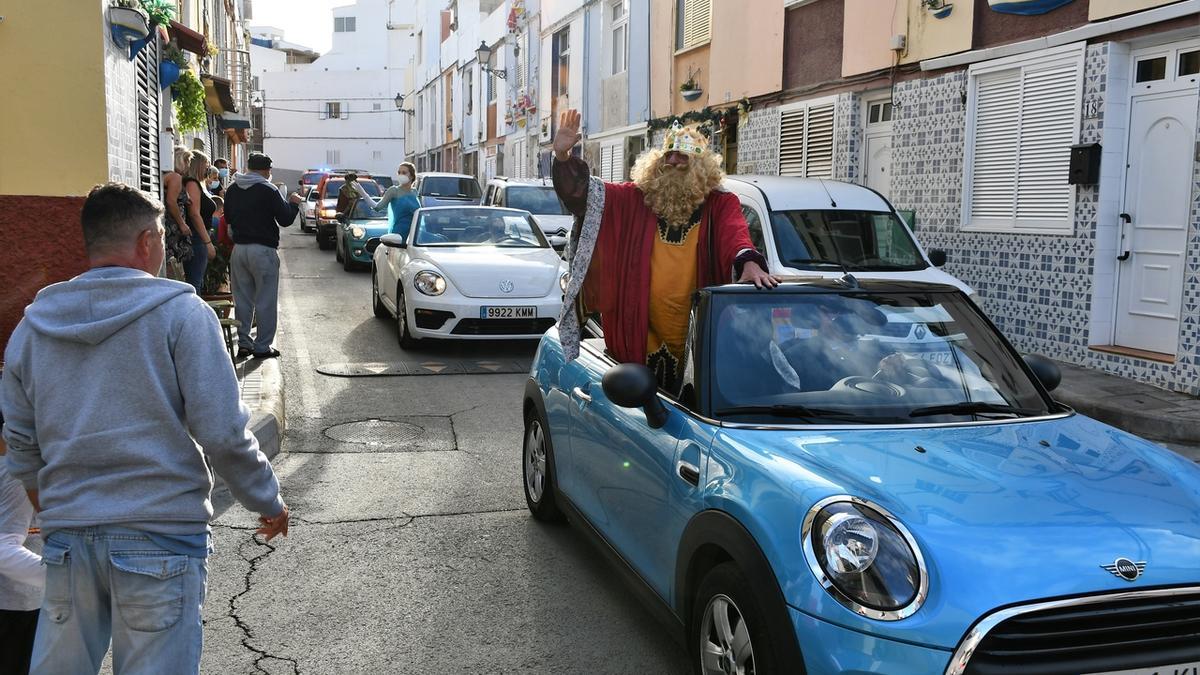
(215, 188)
(118, 396)
(398, 199)
(21, 573)
(255, 211)
(199, 212)
(178, 241)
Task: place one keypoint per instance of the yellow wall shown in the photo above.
(747, 50)
(53, 128)
(1103, 9)
(866, 35)
(930, 37)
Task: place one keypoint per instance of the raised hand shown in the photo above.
(568, 134)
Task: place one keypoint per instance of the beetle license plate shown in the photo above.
(1180, 669)
(508, 312)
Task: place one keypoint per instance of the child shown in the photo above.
(221, 234)
(22, 576)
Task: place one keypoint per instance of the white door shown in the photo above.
(878, 165)
(1158, 185)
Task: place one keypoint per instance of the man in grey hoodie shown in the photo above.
(118, 396)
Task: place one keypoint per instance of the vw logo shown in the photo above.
(1126, 568)
(507, 286)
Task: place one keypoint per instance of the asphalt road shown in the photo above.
(411, 552)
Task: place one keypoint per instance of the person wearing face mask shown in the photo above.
(215, 187)
(399, 200)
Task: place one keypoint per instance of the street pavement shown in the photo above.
(410, 549)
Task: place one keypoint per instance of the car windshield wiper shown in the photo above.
(822, 261)
(974, 408)
(784, 411)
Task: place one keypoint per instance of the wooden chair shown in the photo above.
(229, 325)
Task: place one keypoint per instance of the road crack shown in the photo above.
(261, 655)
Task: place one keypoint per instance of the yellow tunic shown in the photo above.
(672, 283)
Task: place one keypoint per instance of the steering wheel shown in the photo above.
(870, 385)
(916, 369)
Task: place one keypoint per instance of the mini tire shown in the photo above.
(537, 470)
(377, 306)
(324, 243)
(337, 248)
(348, 263)
(407, 341)
(739, 643)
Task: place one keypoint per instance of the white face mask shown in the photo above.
(403, 179)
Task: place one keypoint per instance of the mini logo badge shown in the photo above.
(1126, 568)
(507, 286)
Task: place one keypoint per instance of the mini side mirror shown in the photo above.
(632, 385)
(393, 241)
(938, 257)
(1046, 370)
(372, 244)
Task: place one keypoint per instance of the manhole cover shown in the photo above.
(374, 432)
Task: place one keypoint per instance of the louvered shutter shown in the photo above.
(606, 153)
(618, 162)
(697, 22)
(818, 142)
(1047, 132)
(148, 104)
(791, 142)
(997, 134)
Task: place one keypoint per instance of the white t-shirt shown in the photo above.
(22, 576)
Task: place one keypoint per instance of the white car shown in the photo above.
(467, 272)
(817, 227)
(308, 210)
(535, 195)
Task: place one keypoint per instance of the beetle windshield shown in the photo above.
(863, 358)
(862, 240)
(478, 227)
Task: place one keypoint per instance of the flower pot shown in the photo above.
(521, 123)
(691, 94)
(168, 73)
(133, 20)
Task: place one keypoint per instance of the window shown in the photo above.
(420, 46)
(620, 35)
(1150, 70)
(469, 79)
(1189, 63)
(1022, 122)
(333, 110)
(612, 162)
(880, 112)
(376, 154)
(333, 158)
(343, 24)
(693, 23)
(491, 88)
(521, 48)
(376, 106)
(754, 225)
(806, 139)
(149, 175)
(562, 62)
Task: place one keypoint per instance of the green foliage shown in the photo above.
(216, 274)
(161, 11)
(175, 55)
(189, 102)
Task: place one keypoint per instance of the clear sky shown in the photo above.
(305, 22)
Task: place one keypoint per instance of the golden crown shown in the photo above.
(687, 139)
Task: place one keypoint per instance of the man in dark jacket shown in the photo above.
(255, 211)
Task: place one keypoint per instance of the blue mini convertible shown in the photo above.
(865, 477)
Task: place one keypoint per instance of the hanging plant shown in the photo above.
(161, 12)
(188, 94)
(175, 55)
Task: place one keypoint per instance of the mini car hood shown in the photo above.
(477, 271)
(1000, 518)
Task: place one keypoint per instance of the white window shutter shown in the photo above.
(345, 110)
(818, 142)
(618, 162)
(791, 142)
(606, 153)
(1047, 132)
(997, 134)
(697, 22)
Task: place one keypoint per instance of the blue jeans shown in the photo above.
(115, 584)
(193, 270)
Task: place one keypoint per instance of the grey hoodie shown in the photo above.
(108, 379)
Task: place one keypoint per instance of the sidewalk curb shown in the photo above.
(261, 383)
(1140, 409)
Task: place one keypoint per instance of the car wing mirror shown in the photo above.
(632, 385)
(372, 244)
(1046, 371)
(393, 241)
(937, 257)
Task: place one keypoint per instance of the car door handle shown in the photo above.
(582, 395)
(689, 472)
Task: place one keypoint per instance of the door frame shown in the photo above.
(1173, 85)
(869, 99)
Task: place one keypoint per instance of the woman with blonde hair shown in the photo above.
(175, 223)
(199, 212)
(399, 200)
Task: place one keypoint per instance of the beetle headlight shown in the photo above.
(429, 283)
(865, 558)
(563, 280)
(357, 232)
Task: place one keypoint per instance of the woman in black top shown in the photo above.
(199, 210)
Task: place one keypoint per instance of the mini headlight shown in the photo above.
(429, 283)
(563, 281)
(357, 232)
(864, 558)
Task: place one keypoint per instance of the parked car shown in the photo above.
(819, 499)
(812, 226)
(385, 182)
(447, 189)
(352, 236)
(537, 197)
(311, 177)
(308, 210)
(327, 191)
(467, 272)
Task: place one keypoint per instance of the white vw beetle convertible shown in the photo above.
(467, 272)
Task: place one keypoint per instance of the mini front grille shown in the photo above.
(502, 326)
(1098, 634)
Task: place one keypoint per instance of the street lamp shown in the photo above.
(484, 54)
(400, 105)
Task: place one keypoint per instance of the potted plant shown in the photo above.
(173, 63)
(127, 21)
(690, 90)
(188, 95)
(216, 278)
(160, 12)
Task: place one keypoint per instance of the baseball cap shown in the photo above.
(258, 161)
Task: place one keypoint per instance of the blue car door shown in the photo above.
(635, 484)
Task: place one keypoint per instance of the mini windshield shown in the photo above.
(863, 358)
(450, 186)
(536, 200)
(364, 212)
(478, 227)
(856, 240)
